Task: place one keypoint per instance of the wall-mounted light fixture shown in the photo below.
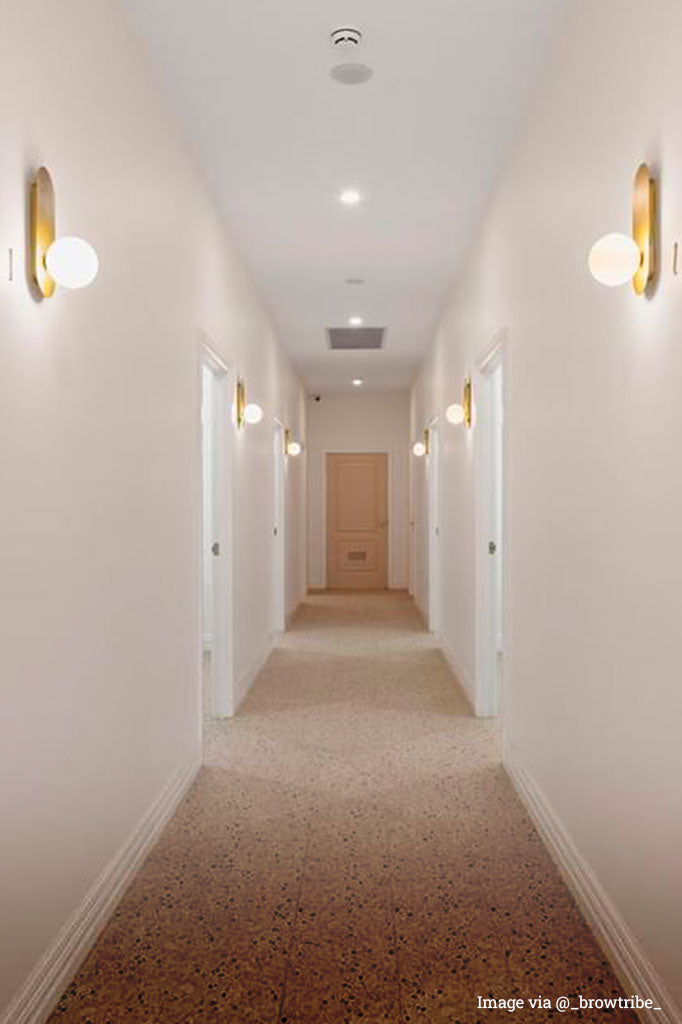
(461, 413)
(68, 261)
(291, 447)
(247, 412)
(421, 448)
(468, 402)
(616, 258)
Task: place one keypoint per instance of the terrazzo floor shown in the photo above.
(352, 851)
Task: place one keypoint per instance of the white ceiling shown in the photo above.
(278, 139)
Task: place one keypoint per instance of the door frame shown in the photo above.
(279, 504)
(489, 659)
(433, 485)
(222, 648)
(354, 450)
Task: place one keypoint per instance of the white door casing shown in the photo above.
(217, 388)
(489, 458)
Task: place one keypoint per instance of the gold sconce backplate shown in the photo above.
(467, 402)
(241, 402)
(42, 228)
(427, 441)
(287, 440)
(643, 227)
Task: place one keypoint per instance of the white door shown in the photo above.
(435, 560)
(217, 674)
(278, 530)
(490, 532)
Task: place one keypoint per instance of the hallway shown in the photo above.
(352, 851)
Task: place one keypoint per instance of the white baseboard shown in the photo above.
(633, 967)
(247, 678)
(458, 670)
(38, 996)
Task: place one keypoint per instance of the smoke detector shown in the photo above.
(346, 40)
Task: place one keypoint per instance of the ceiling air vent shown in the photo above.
(345, 338)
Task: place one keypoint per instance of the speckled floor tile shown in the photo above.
(351, 853)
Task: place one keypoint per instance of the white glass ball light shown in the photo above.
(72, 262)
(253, 413)
(614, 260)
(455, 414)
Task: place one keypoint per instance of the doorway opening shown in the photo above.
(216, 546)
(490, 529)
(434, 553)
(357, 520)
(278, 530)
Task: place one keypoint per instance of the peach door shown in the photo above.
(357, 521)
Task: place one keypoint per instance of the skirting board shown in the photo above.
(37, 997)
(458, 670)
(633, 967)
(247, 678)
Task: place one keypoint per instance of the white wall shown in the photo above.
(100, 460)
(359, 423)
(592, 697)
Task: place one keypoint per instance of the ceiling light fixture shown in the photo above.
(356, 321)
(350, 197)
(358, 382)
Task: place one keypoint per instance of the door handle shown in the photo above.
(215, 547)
(492, 547)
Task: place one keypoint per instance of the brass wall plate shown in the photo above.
(427, 441)
(467, 402)
(644, 227)
(287, 440)
(241, 402)
(42, 229)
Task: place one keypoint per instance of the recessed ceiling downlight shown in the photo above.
(351, 73)
(350, 197)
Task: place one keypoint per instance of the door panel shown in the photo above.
(357, 521)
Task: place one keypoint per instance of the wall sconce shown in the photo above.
(616, 259)
(247, 412)
(291, 447)
(68, 261)
(468, 402)
(421, 448)
(457, 413)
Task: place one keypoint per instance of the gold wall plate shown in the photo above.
(644, 227)
(241, 402)
(42, 229)
(427, 441)
(467, 402)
